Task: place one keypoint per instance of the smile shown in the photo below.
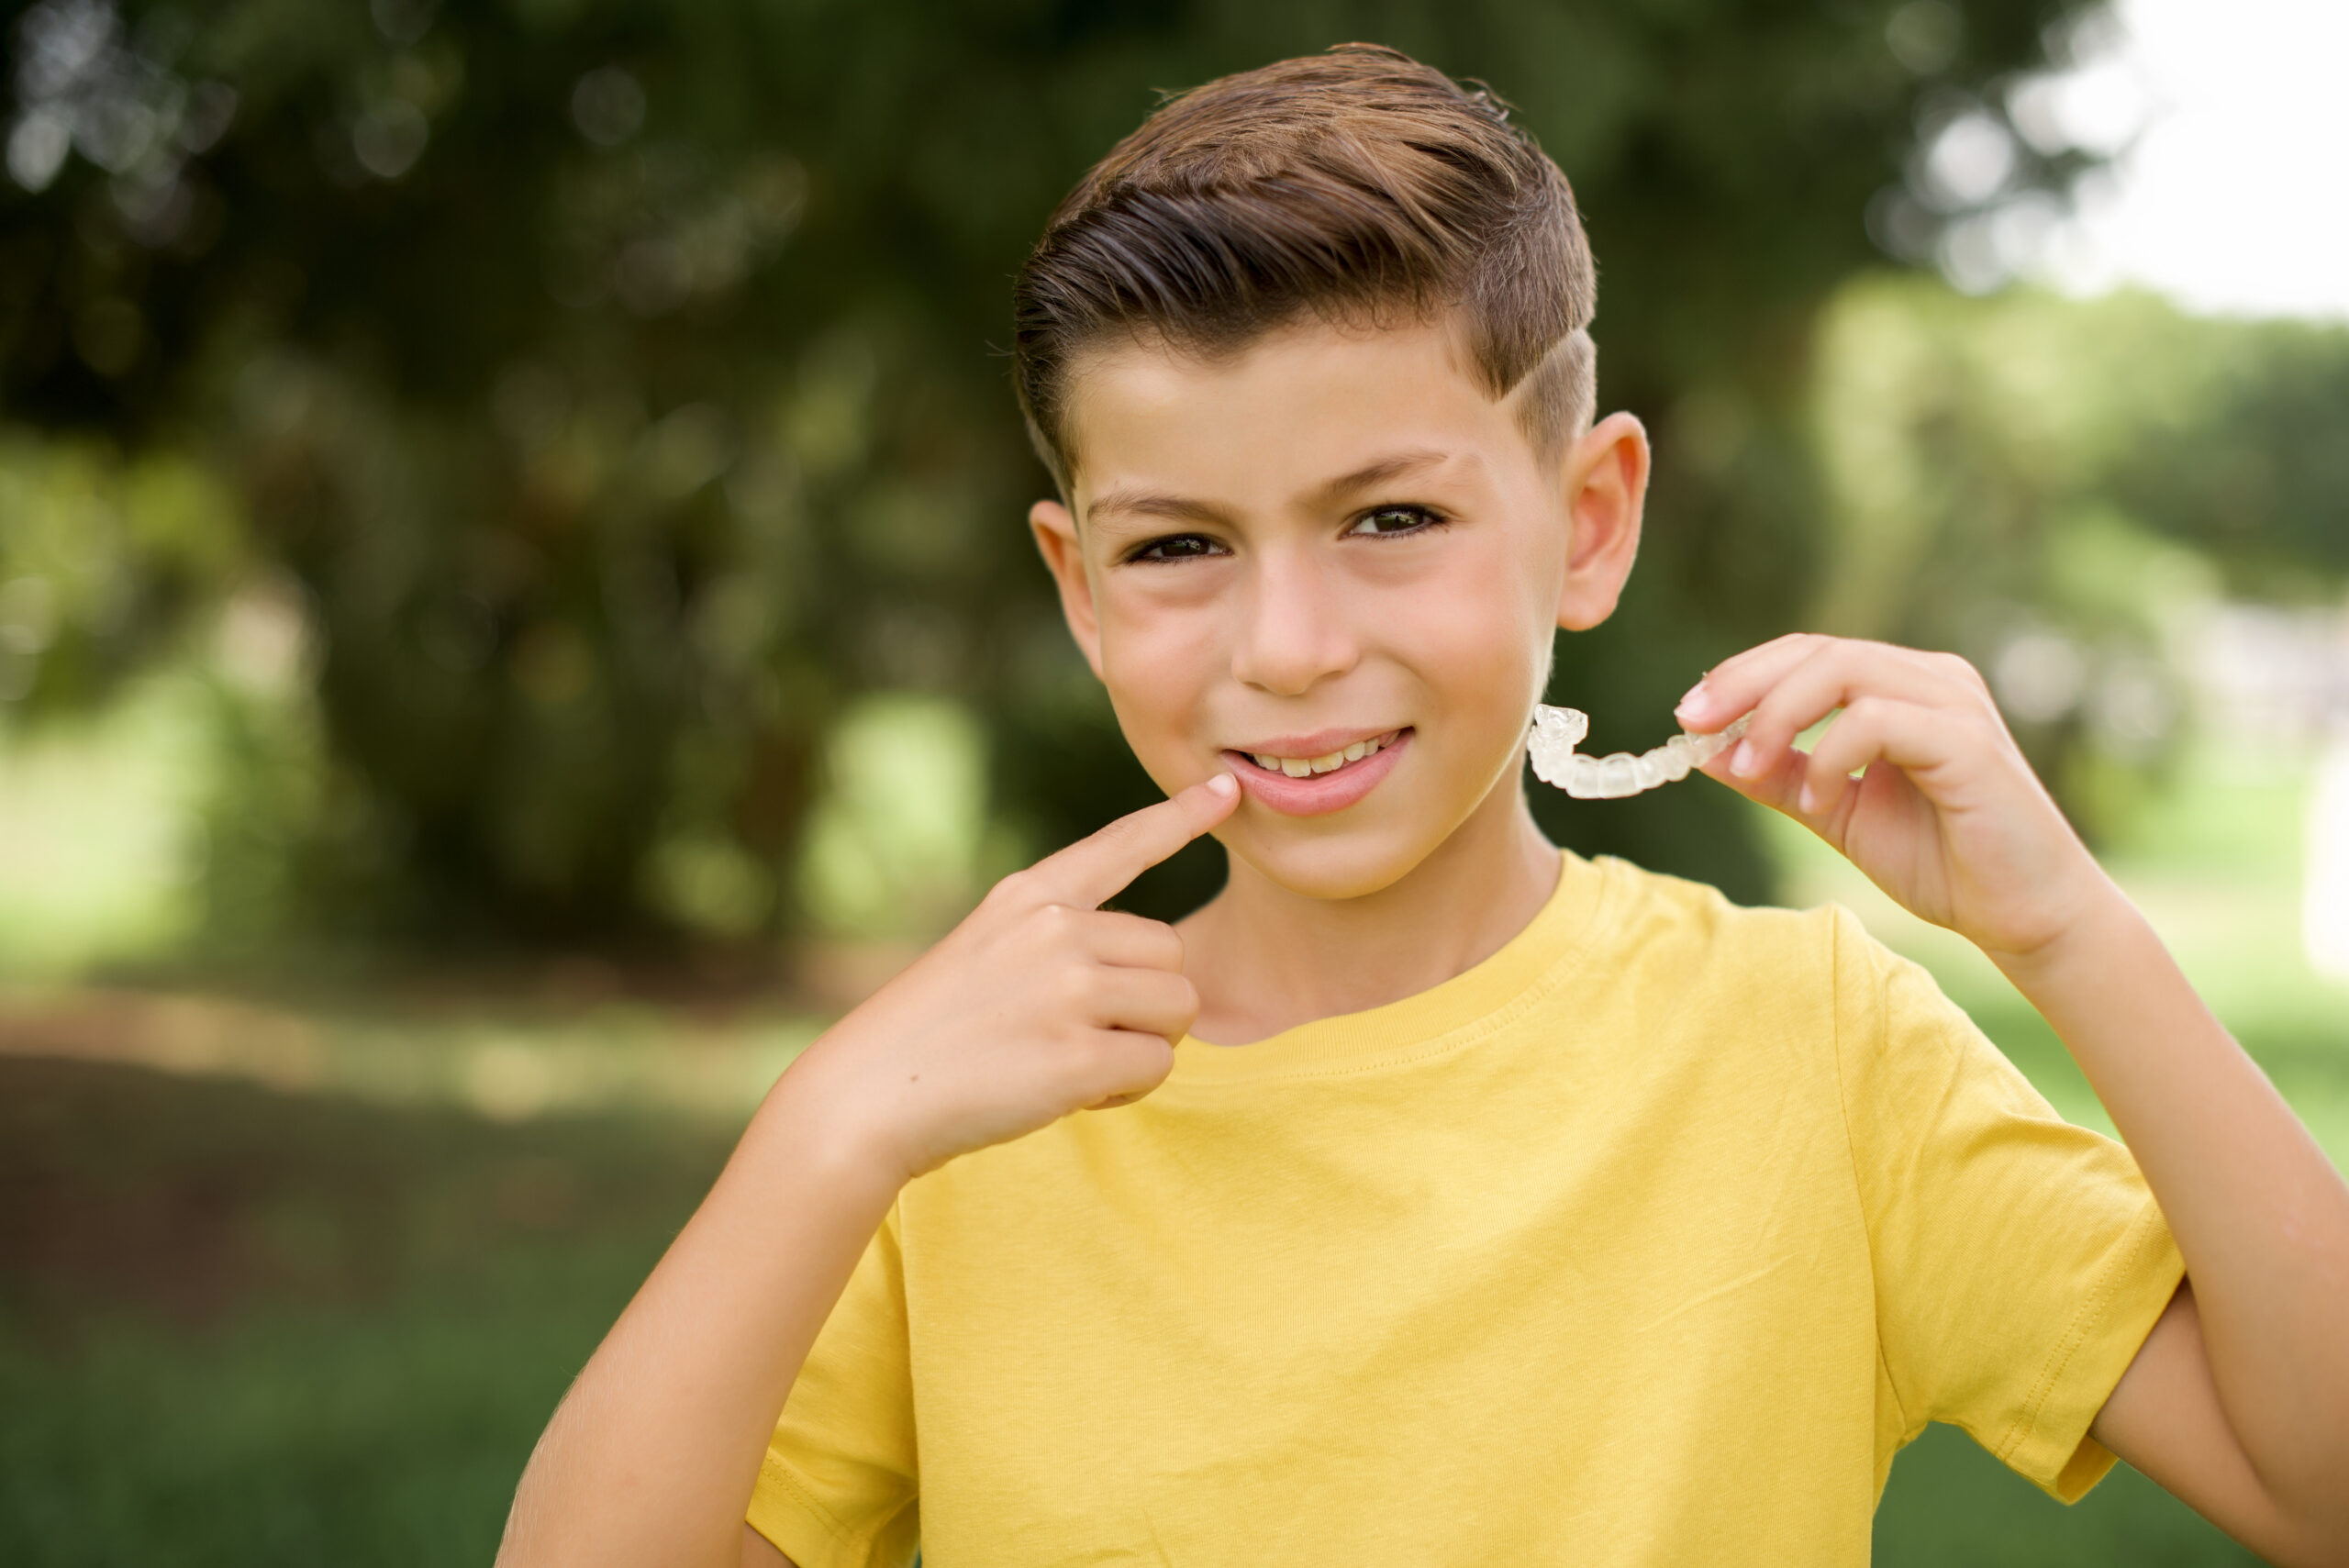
(1323, 782)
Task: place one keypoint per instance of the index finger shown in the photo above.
(1738, 681)
(1091, 871)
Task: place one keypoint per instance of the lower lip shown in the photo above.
(1317, 793)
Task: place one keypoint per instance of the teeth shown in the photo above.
(1301, 767)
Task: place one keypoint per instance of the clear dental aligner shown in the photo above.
(1555, 731)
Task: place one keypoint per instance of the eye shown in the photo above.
(1386, 522)
(1174, 546)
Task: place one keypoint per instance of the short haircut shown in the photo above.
(1343, 186)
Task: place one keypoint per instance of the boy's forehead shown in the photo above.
(1295, 407)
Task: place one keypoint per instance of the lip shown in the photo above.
(1317, 793)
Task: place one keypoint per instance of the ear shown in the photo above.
(1056, 541)
(1606, 476)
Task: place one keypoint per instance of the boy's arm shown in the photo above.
(2238, 1402)
(1038, 1005)
(653, 1453)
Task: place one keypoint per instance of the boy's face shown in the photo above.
(1332, 540)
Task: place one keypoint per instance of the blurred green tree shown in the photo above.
(2057, 487)
(608, 387)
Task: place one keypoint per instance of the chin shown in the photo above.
(1332, 865)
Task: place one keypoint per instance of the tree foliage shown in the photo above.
(2055, 488)
(608, 387)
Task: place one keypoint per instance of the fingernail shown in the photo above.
(1806, 800)
(1224, 784)
(1742, 762)
(1697, 699)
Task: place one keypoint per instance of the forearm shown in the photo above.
(2259, 1214)
(652, 1455)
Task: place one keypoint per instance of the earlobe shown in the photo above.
(1607, 487)
(1056, 541)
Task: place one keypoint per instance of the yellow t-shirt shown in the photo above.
(1649, 1240)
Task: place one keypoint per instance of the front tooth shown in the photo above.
(1295, 767)
(1357, 751)
(1265, 761)
(1330, 764)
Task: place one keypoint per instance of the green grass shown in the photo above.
(241, 1327)
(1950, 1504)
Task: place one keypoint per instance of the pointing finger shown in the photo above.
(1092, 870)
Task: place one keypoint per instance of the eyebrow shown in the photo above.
(1142, 504)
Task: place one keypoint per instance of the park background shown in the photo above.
(514, 611)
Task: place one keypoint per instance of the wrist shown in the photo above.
(2100, 924)
(819, 1115)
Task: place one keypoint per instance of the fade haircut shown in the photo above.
(1343, 186)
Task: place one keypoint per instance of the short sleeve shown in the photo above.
(2020, 1260)
(837, 1488)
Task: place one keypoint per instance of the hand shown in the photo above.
(1948, 818)
(1039, 1003)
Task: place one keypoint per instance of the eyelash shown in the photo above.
(1430, 520)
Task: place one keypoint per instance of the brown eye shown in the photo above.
(1385, 522)
(1174, 547)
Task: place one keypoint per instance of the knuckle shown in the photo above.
(1053, 922)
(1117, 835)
(1077, 986)
(1962, 669)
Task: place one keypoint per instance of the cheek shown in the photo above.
(1481, 635)
(1159, 656)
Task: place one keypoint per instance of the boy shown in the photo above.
(1470, 1202)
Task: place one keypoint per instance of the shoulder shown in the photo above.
(1651, 914)
(1759, 981)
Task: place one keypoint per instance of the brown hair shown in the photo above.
(1338, 184)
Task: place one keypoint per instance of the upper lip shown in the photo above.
(1319, 743)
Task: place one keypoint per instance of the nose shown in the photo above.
(1295, 632)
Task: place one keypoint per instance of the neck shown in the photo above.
(1265, 959)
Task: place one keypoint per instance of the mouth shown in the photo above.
(1309, 786)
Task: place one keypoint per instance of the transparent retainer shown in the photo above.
(1556, 731)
